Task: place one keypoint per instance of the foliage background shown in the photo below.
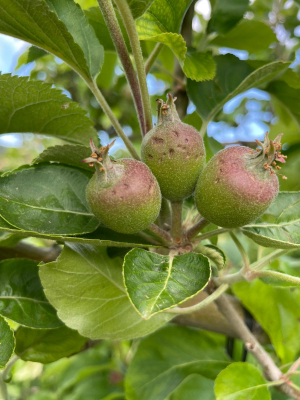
(99, 372)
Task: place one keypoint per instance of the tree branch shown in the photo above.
(272, 372)
(25, 250)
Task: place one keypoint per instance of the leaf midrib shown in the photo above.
(48, 209)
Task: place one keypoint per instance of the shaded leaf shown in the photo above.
(35, 23)
(192, 386)
(138, 7)
(166, 358)
(34, 53)
(214, 253)
(155, 283)
(7, 342)
(289, 98)
(48, 199)
(278, 312)
(75, 20)
(284, 231)
(226, 14)
(21, 295)
(67, 154)
(101, 237)
(241, 381)
(47, 345)
(249, 35)
(233, 77)
(33, 106)
(86, 288)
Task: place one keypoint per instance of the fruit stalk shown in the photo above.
(119, 43)
(198, 227)
(176, 230)
(138, 58)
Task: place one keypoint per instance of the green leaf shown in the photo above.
(35, 23)
(212, 252)
(163, 16)
(249, 35)
(226, 14)
(33, 106)
(284, 232)
(47, 345)
(86, 288)
(155, 283)
(22, 297)
(162, 23)
(83, 34)
(34, 53)
(138, 7)
(68, 154)
(289, 98)
(165, 359)
(192, 386)
(278, 312)
(233, 77)
(48, 199)
(199, 66)
(7, 342)
(240, 381)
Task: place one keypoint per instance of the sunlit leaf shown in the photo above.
(86, 288)
(241, 381)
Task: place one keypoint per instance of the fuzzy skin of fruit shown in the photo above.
(233, 189)
(175, 153)
(129, 200)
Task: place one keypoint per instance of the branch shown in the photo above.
(119, 43)
(138, 58)
(272, 372)
(25, 250)
(153, 56)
